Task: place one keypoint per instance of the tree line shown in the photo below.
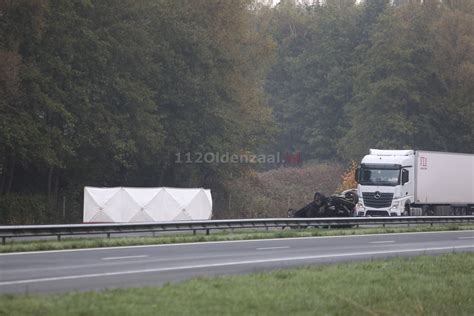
(106, 93)
(380, 74)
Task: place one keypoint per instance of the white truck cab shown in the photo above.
(384, 185)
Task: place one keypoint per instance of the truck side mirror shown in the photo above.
(356, 174)
(405, 176)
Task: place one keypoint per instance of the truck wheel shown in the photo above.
(460, 211)
(407, 211)
(427, 210)
(457, 211)
(470, 210)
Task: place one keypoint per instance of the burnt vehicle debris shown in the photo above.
(336, 205)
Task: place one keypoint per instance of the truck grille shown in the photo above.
(376, 213)
(385, 199)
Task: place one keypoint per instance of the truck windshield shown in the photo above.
(379, 176)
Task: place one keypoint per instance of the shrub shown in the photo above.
(16, 209)
(271, 193)
(348, 178)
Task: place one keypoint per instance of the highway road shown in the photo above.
(99, 268)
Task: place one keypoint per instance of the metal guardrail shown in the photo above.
(208, 225)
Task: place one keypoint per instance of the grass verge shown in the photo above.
(76, 242)
(425, 285)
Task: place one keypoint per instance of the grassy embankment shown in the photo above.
(426, 285)
(75, 243)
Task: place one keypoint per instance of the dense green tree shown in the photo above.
(311, 82)
(289, 26)
(374, 74)
(107, 92)
(401, 98)
(454, 61)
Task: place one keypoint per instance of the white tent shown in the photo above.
(145, 204)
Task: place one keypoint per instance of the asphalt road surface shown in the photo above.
(99, 268)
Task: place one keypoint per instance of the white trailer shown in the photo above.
(405, 182)
(444, 178)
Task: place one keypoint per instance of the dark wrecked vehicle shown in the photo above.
(336, 205)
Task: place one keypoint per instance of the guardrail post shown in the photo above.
(59, 237)
(207, 231)
(194, 232)
(108, 235)
(4, 240)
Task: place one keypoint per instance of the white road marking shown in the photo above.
(126, 257)
(270, 248)
(466, 237)
(200, 266)
(113, 263)
(224, 242)
(382, 242)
